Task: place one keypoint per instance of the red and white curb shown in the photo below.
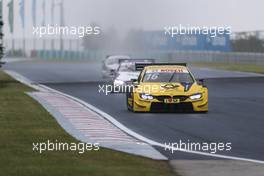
(86, 121)
(86, 125)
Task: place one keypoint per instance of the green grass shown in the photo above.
(23, 122)
(233, 67)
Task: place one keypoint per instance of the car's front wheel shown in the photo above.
(130, 102)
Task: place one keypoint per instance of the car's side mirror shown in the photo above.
(134, 81)
(133, 84)
(201, 82)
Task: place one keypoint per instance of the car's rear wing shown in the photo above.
(141, 66)
(137, 60)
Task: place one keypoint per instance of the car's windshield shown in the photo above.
(168, 76)
(127, 67)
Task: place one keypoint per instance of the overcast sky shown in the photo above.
(149, 14)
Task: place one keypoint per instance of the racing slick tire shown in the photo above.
(129, 107)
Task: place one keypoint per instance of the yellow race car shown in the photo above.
(163, 87)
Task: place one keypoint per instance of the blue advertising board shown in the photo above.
(194, 42)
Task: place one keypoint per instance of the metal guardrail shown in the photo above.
(163, 56)
(73, 50)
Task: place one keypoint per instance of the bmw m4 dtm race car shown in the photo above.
(111, 64)
(166, 87)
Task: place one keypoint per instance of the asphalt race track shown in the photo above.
(236, 107)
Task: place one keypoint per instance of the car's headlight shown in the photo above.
(146, 96)
(118, 82)
(196, 96)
